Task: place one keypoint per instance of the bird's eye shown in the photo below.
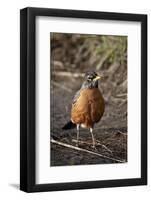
(90, 78)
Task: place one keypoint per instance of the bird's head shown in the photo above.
(91, 79)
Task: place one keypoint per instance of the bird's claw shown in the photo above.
(94, 147)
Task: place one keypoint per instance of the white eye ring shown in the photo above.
(90, 78)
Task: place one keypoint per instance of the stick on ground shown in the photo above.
(85, 150)
(97, 143)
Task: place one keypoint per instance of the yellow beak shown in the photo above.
(97, 78)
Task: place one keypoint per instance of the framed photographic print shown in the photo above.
(83, 99)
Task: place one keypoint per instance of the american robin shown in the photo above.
(87, 105)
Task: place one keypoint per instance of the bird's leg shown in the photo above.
(78, 132)
(93, 140)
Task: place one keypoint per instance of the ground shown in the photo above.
(71, 56)
(110, 134)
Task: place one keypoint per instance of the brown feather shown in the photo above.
(88, 108)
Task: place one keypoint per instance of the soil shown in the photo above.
(110, 133)
(72, 55)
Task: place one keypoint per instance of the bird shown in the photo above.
(88, 105)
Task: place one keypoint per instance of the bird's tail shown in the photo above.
(69, 125)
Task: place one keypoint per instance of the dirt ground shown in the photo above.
(110, 133)
(72, 55)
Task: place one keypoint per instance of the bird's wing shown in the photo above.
(76, 96)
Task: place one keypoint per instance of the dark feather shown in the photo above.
(76, 96)
(69, 125)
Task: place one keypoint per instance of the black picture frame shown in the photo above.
(28, 98)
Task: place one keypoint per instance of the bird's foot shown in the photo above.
(94, 146)
(77, 144)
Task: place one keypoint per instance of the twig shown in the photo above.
(97, 143)
(85, 150)
(68, 74)
(118, 99)
(120, 132)
(103, 145)
(82, 142)
(58, 64)
(121, 95)
(61, 86)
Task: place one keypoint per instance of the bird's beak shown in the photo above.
(98, 77)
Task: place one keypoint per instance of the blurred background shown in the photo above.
(71, 56)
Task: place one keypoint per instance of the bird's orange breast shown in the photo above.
(88, 108)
